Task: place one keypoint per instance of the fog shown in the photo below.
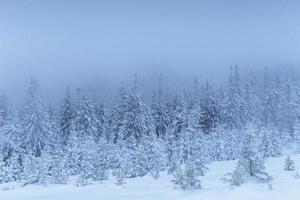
(101, 44)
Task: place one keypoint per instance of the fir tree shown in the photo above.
(235, 105)
(3, 110)
(85, 121)
(289, 164)
(177, 128)
(35, 123)
(250, 163)
(186, 178)
(66, 118)
(208, 114)
(100, 114)
(159, 112)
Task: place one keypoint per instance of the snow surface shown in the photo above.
(284, 186)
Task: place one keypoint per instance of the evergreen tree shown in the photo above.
(31, 173)
(252, 101)
(36, 129)
(208, 113)
(270, 144)
(66, 118)
(10, 168)
(270, 100)
(289, 164)
(235, 105)
(159, 112)
(10, 135)
(85, 121)
(192, 160)
(101, 121)
(3, 110)
(287, 114)
(177, 128)
(186, 177)
(250, 163)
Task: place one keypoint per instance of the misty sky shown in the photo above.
(77, 42)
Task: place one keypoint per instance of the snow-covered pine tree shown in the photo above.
(271, 142)
(252, 101)
(10, 134)
(186, 177)
(85, 150)
(208, 112)
(10, 168)
(10, 150)
(3, 110)
(31, 173)
(287, 114)
(103, 159)
(217, 144)
(121, 165)
(270, 100)
(152, 154)
(36, 128)
(81, 158)
(193, 158)
(85, 121)
(235, 105)
(177, 128)
(196, 92)
(66, 117)
(100, 114)
(51, 165)
(159, 111)
(57, 140)
(289, 164)
(132, 127)
(250, 163)
(87, 160)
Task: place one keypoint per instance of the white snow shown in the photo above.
(284, 186)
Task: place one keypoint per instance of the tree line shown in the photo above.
(248, 119)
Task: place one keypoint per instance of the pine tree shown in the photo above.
(85, 121)
(10, 135)
(66, 118)
(287, 114)
(102, 160)
(192, 160)
(289, 164)
(51, 165)
(31, 169)
(35, 123)
(177, 128)
(208, 112)
(10, 168)
(186, 178)
(133, 133)
(196, 92)
(250, 163)
(252, 101)
(270, 100)
(100, 114)
(120, 170)
(3, 110)
(73, 155)
(159, 112)
(270, 144)
(235, 105)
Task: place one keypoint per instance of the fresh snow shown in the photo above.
(284, 186)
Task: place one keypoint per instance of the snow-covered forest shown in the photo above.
(250, 118)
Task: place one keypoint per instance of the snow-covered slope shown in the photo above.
(284, 186)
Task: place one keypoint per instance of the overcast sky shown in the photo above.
(75, 42)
